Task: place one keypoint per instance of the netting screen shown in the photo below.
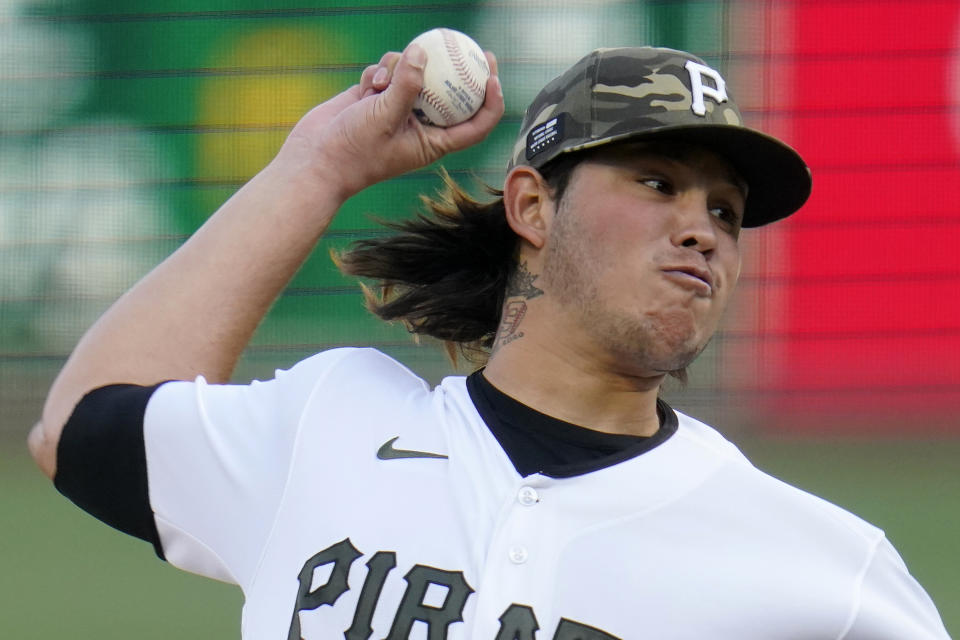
(123, 126)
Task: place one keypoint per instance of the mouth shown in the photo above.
(698, 279)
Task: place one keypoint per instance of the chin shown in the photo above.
(661, 343)
(666, 358)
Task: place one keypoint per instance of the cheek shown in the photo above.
(597, 243)
(625, 241)
(729, 267)
(731, 263)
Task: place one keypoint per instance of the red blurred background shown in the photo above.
(869, 333)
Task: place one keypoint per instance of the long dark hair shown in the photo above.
(444, 272)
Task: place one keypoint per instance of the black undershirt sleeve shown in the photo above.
(102, 463)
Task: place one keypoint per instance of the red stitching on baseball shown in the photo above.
(436, 102)
(460, 64)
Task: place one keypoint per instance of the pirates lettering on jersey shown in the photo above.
(518, 622)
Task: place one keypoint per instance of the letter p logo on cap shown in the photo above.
(697, 72)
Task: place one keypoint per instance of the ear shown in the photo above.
(528, 205)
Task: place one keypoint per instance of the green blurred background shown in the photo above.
(123, 126)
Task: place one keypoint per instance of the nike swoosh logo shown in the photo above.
(388, 452)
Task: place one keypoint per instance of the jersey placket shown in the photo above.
(521, 557)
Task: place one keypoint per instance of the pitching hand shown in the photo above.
(368, 133)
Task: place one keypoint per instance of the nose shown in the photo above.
(695, 228)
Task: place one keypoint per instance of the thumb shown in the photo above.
(406, 84)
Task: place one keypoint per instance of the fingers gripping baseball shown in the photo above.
(426, 144)
(392, 107)
(368, 133)
(376, 77)
(388, 138)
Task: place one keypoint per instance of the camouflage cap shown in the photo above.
(655, 93)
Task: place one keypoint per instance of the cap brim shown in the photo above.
(778, 179)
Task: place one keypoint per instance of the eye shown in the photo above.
(726, 214)
(659, 184)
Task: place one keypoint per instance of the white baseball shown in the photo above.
(454, 80)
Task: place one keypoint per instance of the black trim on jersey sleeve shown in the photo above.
(102, 460)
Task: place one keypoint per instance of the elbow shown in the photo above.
(43, 448)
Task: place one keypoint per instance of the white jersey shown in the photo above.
(348, 499)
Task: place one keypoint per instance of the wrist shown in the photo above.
(316, 183)
(306, 161)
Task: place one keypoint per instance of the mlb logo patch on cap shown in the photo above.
(545, 136)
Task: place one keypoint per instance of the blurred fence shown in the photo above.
(122, 126)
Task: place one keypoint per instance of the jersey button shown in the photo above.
(518, 554)
(528, 496)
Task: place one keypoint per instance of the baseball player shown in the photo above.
(550, 494)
